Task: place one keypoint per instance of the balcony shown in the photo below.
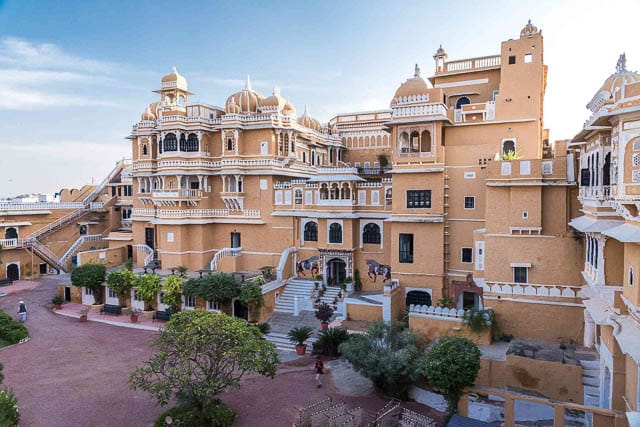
(193, 213)
(524, 170)
(177, 194)
(597, 192)
(478, 112)
(470, 65)
(8, 243)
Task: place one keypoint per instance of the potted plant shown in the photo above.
(135, 314)
(298, 336)
(57, 301)
(83, 314)
(323, 314)
(348, 284)
(316, 285)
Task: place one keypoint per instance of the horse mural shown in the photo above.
(376, 269)
(310, 264)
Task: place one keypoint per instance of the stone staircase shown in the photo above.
(302, 289)
(282, 342)
(590, 362)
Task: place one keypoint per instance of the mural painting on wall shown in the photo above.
(310, 264)
(376, 269)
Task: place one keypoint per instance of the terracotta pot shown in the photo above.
(301, 349)
(58, 306)
(324, 325)
(83, 318)
(134, 318)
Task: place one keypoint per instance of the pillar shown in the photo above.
(589, 330)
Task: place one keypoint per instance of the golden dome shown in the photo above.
(307, 121)
(148, 114)
(232, 107)
(274, 102)
(529, 30)
(174, 79)
(414, 89)
(247, 100)
(289, 110)
(609, 92)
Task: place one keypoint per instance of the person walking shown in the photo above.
(22, 311)
(319, 370)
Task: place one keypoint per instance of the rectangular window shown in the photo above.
(362, 197)
(520, 274)
(512, 59)
(235, 240)
(375, 198)
(585, 177)
(528, 58)
(111, 293)
(418, 199)
(406, 248)
(469, 202)
(287, 197)
(467, 255)
(169, 237)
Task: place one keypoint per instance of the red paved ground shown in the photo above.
(75, 374)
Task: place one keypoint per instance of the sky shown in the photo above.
(76, 75)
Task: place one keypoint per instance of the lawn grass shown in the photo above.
(4, 343)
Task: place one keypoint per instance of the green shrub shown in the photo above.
(478, 320)
(390, 355)
(218, 415)
(9, 415)
(452, 365)
(219, 287)
(172, 288)
(265, 328)
(12, 330)
(329, 341)
(148, 287)
(121, 282)
(90, 276)
(251, 295)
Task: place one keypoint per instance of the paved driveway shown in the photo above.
(72, 373)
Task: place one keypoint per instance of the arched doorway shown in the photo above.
(240, 310)
(463, 100)
(13, 272)
(10, 233)
(418, 298)
(336, 271)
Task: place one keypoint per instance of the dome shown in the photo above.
(611, 86)
(529, 30)
(148, 114)
(289, 110)
(412, 87)
(440, 52)
(232, 107)
(247, 100)
(174, 79)
(274, 102)
(307, 121)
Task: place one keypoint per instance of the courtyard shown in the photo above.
(75, 374)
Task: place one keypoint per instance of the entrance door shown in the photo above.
(129, 252)
(468, 301)
(148, 237)
(13, 272)
(43, 268)
(240, 310)
(112, 297)
(87, 296)
(67, 294)
(336, 272)
(136, 301)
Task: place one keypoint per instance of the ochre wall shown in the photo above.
(364, 312)
(431, 328)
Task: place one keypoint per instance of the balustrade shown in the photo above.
(532, 289)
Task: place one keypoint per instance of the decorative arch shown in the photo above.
(335, 232)
(170, 142)
(463, 100)
(192, 144)
(416, 297)
(310, 231)
(11, 233)
(297, 196)
(13, 271)
(371, 234)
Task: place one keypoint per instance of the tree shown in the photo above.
(219, 287)
(121, 282)
(90, 276)
(390, 355)
(199, 355)
(251, 295)
(172, 288)
(452, 365)
(148, 287)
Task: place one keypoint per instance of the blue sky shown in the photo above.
(75, 75)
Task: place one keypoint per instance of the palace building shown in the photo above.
(449, 198)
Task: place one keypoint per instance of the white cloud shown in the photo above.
(36, 76)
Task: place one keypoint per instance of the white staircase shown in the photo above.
(213, 265)
(76, 245)
(282, 342)
(590, 379)
(302, 289)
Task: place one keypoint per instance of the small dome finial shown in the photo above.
(416, 72)
(306, 110)
(621, 65)
(247, 84)
(174, 70)
(529, 30)
(276, 90)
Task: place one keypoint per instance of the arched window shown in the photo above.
(606, 170)
(335, 233)
(83, 230)
(311, 232)
(11, 233)
(144, 149)
(414, 141)
(508, 145)
(324, 192)
(297, 196)
(183, 142)
(192, 142)
(304, 157)
(425, 141)
(335, 191)
(345, 192)
(404, 142)
(371, 234)
(630, 276)
(160, 145)
(463, 100)
(170, 142)
(229, 144)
